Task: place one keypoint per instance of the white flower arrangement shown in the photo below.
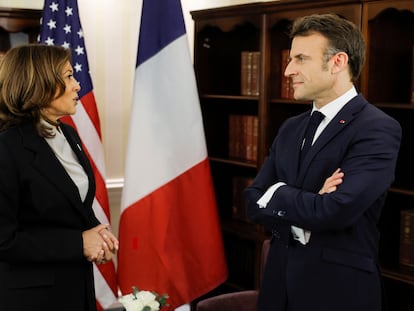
(142, 300)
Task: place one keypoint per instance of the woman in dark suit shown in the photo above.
(49, 235)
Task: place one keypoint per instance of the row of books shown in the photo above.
(250, 74)
(243, 137)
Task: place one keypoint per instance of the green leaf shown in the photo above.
(162, 300)
(135, 292)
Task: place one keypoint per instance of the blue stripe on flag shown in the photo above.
(155, 35)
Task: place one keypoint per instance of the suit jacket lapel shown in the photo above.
(46, 163)
(337, 124)
(76, 145)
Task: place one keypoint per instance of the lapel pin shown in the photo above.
(342, 121)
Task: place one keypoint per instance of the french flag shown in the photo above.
(169, 232)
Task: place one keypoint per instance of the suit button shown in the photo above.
(280, 213)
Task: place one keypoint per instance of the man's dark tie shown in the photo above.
(314, 122)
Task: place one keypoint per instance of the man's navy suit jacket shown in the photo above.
(337, 270)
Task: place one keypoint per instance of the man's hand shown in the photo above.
(332, 182)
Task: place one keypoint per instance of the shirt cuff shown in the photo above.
(265, 198)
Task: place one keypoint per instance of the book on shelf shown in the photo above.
(234, 136)
(255, 80)
(238, 205)
(250, 73)
(407, 238)
(243, 137)
(286, 88)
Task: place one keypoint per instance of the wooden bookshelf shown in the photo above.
(24, 24)
(222, 34)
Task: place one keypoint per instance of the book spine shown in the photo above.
(243, 73)
(239, 137)
(232, 135)
(249, 137)
(243, 137)
(255, 137)
(407, 238)
(246, 73)
(255, 79)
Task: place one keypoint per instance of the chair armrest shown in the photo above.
(116, 306)
(237, 301)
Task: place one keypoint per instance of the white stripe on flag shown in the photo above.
(181, 138)
(90, 137)
(99, 212)
(106, 296)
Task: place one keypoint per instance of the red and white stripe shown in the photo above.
(86, 121)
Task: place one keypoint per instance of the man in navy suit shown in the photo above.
(322, 207)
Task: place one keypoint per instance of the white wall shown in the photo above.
(111, 35)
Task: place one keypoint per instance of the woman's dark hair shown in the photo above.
(30, 79)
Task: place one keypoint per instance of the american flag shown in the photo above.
(61, 26)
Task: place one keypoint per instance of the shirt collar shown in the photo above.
(54, 130)
(331, 109)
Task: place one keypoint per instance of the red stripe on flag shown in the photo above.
(110, 277)
(68, 120)
(98, 306)
(171, 241)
